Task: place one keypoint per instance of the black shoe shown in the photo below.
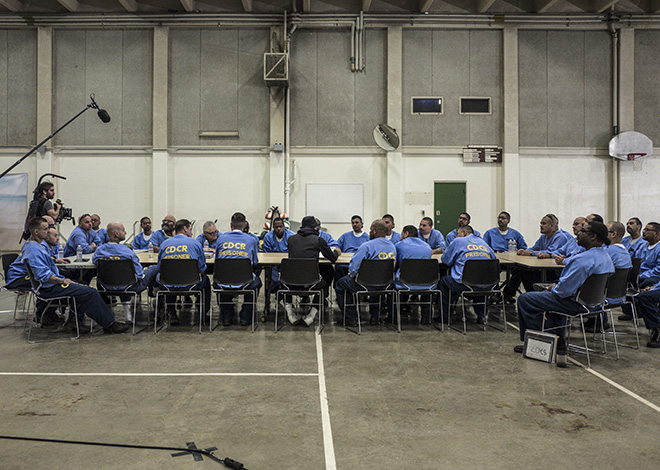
(654, 342)
(246, 323)
(226, 322)
(509, 299)
(83, 329)
(481, 321)
(425, 321)
(116, 328)
(626, 317)
(174, 319)
(495, 299)
(519, 349)
(561, 353)
(373, 320)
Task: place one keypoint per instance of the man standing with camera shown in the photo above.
(46, 205)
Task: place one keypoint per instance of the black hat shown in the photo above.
(308, 221)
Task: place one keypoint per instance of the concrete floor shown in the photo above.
(421, 399)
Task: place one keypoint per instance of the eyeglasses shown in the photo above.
(210, 234)
(649, 230)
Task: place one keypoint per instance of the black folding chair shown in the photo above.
(633, 275)
(617, 288)
(35, 319)
(183, 275)
(592, 298)
(412, 274)
(114, 277)
(299, 277)
(375, 277)
(7, 260)
(233, 272)
(481, 276)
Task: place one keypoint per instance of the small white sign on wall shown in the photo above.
(334, 203)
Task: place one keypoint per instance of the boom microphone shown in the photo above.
(103, 114)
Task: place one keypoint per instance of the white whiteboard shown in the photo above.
(334, 203)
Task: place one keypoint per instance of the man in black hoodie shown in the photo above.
(307, 244)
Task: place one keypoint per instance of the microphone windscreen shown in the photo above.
(104, 116)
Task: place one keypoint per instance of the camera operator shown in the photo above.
(46, 205)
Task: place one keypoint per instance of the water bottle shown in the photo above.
(207, 250)
(513, 246)
(79, 253)
(151, 250)
(60, 251)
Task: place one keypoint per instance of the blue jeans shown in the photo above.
(348, 285)
(450, 286)
(88, 301)
(227, 307)
(647, 307)
(532, 306)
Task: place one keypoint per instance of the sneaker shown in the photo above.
(309, 318)
(481, 321)
(373, 320)
(509, 299)
(561, 353)
(84, 329)
(291, 314)
(654, 342)
(626, 317)
(519, 349)
(116, 328)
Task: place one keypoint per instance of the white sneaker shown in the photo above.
(309, 318)
(293, 317)
(128, 315)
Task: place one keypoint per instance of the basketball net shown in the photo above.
(636, 158)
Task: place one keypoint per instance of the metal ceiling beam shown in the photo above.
(247, 6)
(12, 5)
(189, 5)
(366, 4)
(541, 6)
(593, 6)
(71, 5)
(484, 5)
(129, 5)
(424, 5)
(654, 6)
(307, 6)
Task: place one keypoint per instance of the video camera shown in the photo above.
(66, 213)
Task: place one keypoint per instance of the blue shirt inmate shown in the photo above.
(411, 248)
(349, 242)
(451, 236)
(378, 248)
(103, 235)
(499, 241)
(236, 244)
(549, 245)
(621, 260)
(435, 239)
(463, 249)
(579, 268)
(332, 243)
(394, 238)
(651, 264)
(158, 237)
(140, 242)
(201, 239)
(42, 264)
(274, 245)
(82, 238)
(116, 251)
(637, 249)
(181, 246)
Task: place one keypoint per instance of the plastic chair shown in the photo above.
(414, 273)
(182, 275)
(633, 275)
(114, 277)
(7, 260)
(617, 287)
(233, 272)
(298, 277)
(481, 276)
(592, 298)
(374, 277)
(34, 320)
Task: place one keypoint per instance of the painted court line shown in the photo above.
(328, 444)
(161, 374)
(607, 380)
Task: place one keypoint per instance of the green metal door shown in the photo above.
(449, 202)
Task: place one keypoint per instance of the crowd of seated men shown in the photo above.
(593, 247)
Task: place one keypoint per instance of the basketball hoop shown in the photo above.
(632, 147)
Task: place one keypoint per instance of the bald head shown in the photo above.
(615, 231)
(116, 232)
(378, 229)
(49, 219)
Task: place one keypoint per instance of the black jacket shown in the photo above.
(307, 244)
